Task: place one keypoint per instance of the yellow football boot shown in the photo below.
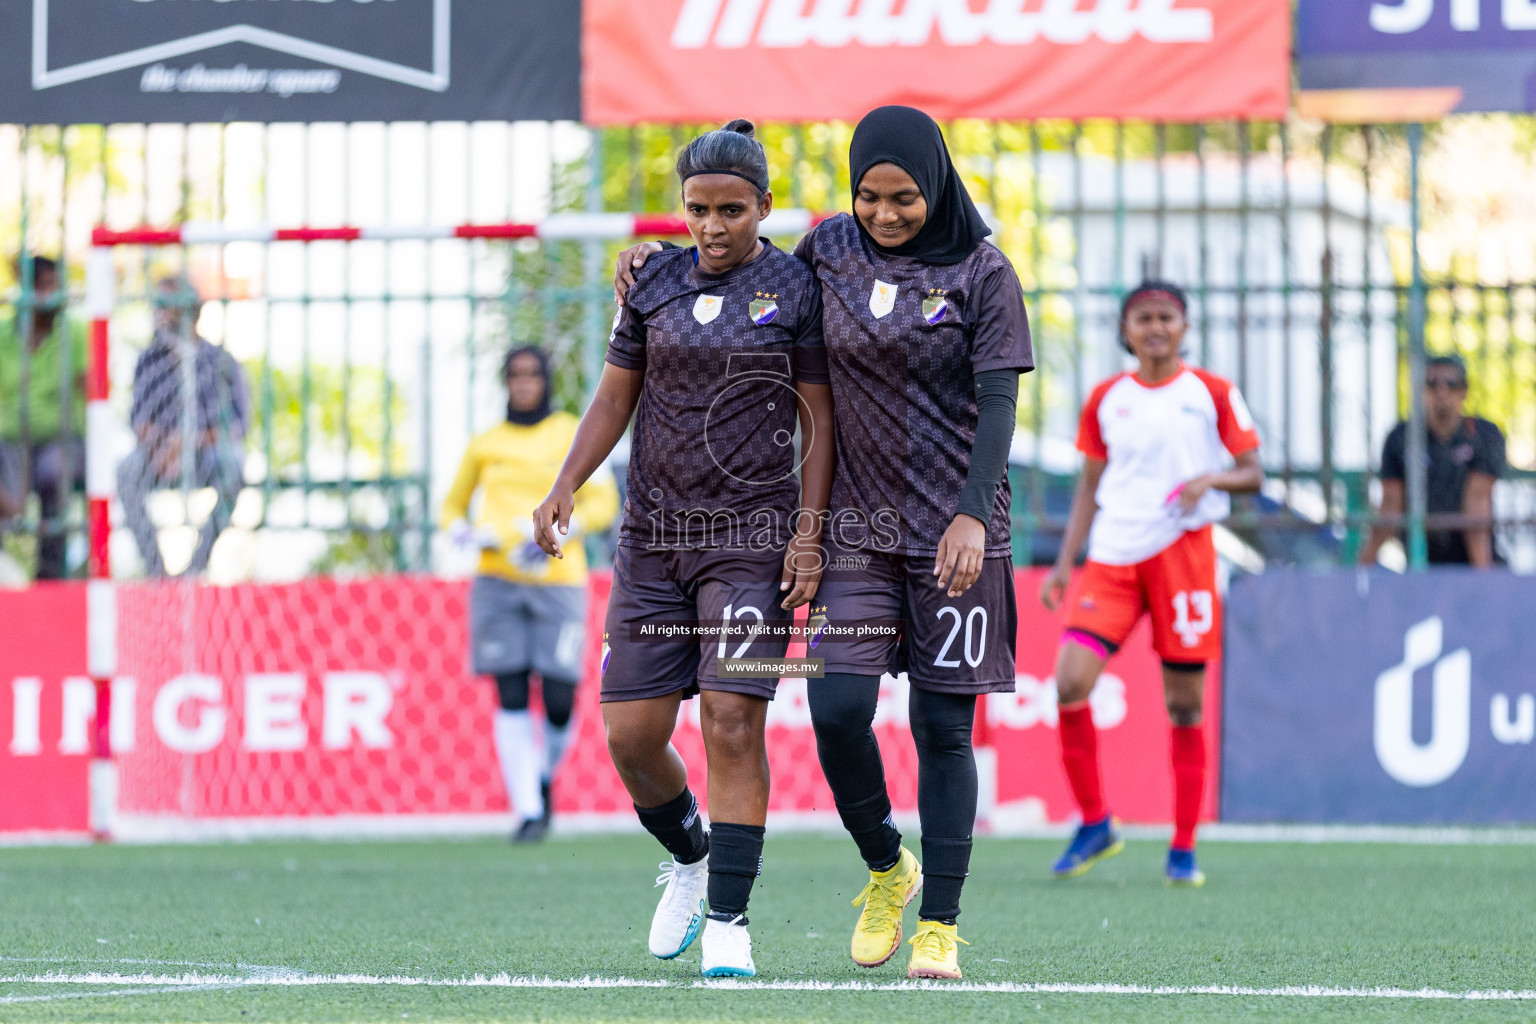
(877, 936)
(934, 951)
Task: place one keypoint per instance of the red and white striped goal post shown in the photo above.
(101, 477)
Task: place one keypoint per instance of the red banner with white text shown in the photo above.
(809, 60)
(323, 699)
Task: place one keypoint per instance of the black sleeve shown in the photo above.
(665, 245)
(810, 348)
(626, 345)
(1001, 340)
(1393, 460)
(1488, 454)
(997, 396)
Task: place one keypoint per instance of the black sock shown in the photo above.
(946, 796)
(869, 822)
(676, 825)
(946, 862)
(735, 858)
(842, 712)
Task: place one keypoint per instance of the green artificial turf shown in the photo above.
(1457, 918)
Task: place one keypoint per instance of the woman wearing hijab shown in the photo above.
(926, 335)
(527, 613)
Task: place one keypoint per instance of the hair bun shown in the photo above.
(741, 126)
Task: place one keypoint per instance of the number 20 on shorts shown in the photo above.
(975, 623)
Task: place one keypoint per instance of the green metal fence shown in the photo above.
(371, 363)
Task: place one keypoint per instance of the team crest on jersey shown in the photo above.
(707, 308)
(763, 308)
(935, 306)
(607, 653)
(883, 299)
(815, 626)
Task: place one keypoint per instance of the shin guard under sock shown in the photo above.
(676, 825)
(735, 859)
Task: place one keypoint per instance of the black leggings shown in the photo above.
(559, 696)
(843, 712)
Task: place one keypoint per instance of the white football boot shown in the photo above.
(680, 914)
(727, 949)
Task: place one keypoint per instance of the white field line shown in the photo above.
(365, 828)
(108, 993)
(291, 979)
(269, 969)
(296, 979)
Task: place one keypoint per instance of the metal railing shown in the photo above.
(371, 363)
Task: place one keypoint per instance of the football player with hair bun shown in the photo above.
(718, 355)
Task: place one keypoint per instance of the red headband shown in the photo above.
(1154, 293)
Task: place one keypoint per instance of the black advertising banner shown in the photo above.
(105, 61)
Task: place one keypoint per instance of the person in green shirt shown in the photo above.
(42, 422)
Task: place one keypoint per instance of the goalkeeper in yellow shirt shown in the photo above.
(527, 611)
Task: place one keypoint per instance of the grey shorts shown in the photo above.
(947, 644)
(521, 627)
(656, 589)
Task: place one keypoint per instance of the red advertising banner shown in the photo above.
(46, 707)
(809, 60)
(322, 699)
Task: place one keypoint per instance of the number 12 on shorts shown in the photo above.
(744, 611)
(975, 637)
(1192, 615)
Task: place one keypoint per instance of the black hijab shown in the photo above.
(536, 415)
(910, 139)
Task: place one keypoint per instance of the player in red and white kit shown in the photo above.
(1155, 477)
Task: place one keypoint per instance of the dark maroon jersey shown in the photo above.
(712, 456)
(904, 341)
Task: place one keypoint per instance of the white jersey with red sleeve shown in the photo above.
(1154, 437)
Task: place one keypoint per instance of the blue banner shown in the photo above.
(1485, 50)
(1369, 697)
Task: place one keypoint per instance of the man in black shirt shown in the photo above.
(1466, 456)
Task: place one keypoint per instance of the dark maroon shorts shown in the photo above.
(652, 642)
(948, 644)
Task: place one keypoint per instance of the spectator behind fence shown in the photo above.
(222, 417)
(42, 448)
(1466, 457)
